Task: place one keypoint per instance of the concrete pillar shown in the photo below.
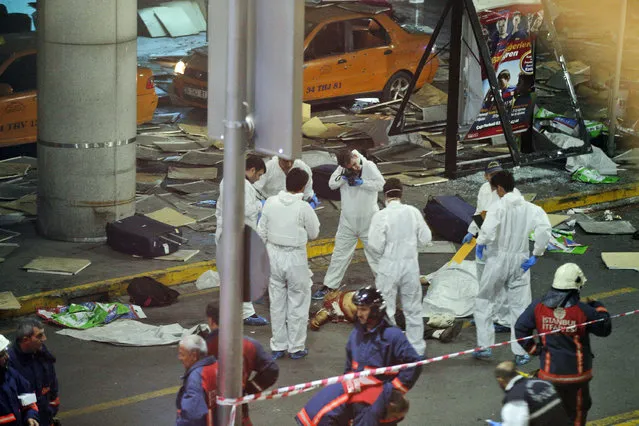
(87, 56)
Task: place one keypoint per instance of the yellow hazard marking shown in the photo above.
(580, 199)
(463, 252)
(118, 402)
(629, 418)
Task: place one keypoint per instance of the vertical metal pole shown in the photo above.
(614, 96)
(454, 82)
(250, 55)
(232, 241)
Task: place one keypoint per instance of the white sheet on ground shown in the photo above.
(597, 160)
(453, 289)
(134, 333)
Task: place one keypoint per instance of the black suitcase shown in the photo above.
(449, 216)
(143, 236)
(321, 176)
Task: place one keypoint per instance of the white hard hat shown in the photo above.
(4, 343)
(569, 277)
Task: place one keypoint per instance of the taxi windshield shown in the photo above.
(309, 27)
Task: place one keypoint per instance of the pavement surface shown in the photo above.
(104, 385)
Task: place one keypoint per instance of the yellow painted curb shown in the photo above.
(117, 286)
(580, 199)
(190, 272)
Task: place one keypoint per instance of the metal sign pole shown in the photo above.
(614, 96)
(232, 241)
(454, 81)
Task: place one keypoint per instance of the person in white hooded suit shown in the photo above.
(359, 182)
(395, 235)
(286, 225)
(504, 245)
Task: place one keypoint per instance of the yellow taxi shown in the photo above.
(19, 97)
(347, 53)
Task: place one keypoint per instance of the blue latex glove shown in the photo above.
(357, 182)
(468, 238)
(314, 202)
(493, 423)
(262, 202)
(344, 177)
(479, 251)
(528, 263)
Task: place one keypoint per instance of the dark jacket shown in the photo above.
(332, 406)
(382, 346)
(541, 398)
(39, 370)
(565, 357)
(12, 412)
(199, 382)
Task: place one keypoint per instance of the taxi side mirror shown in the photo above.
(5, 89)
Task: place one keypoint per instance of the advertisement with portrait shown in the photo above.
(509, 31)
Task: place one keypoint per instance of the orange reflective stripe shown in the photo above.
(33, 406)
(354, 365)
(399, 385)
(601, 309)
(565, 378)
(303, 417)
(533, 349)
(578, 421)
(330, 407)
(579, 354)
(55, 402)
(7, 419)
(45, 390)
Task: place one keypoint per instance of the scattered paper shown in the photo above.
(313, 128)
(181, 255)
(90, 314)
(621, 260)
(171, 217)
(193, 129)
(57, 265)
(192, 173)
(438, 247)
(209, 279)
(8, 301)
(617, 227)
(556, 219)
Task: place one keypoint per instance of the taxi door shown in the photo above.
(369, 55)
(18, 101)
(325, 64)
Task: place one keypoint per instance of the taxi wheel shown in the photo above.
(397, 86)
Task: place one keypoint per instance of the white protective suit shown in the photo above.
(505, 233)
(486, 198)
(286, 225)
(359, 204)
(252, 209)
(394, 237)
(274, 180)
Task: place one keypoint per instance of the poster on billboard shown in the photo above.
(509, 28)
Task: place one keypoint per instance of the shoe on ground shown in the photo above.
(277, 355)
(522, 359)
(255, 320)
(321, 293)
(501, 328)
(299, 354)
(450, 333)
(483, 354)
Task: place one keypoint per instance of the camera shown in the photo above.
(350, 175)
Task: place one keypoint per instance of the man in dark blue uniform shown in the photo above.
(33, 360)
(565, 357)
(17, 399)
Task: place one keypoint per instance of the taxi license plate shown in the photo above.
(198, 93)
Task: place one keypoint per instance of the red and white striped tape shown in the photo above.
(308, 386)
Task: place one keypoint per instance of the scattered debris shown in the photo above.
(621, 260)
(90, 314)
(419, 181)
(192, 173)
(586, 175)
(57, 265)
(176, 18)
(314, 128)
(171, 217)
(194, 187)
(617, 227)
(13, 170)
(556, 219)
(209, 279)
(8, 301)
(439, 247)
(203, 158)
(6, 249)
(26, 204)
(181, 255)
(5, 234)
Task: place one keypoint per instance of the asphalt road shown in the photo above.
(104, 385)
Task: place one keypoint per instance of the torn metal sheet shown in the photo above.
(13, 170)
(621, 260)
(192, 173)
(26, 204)
(6, 249)
(395, 168)
(57, 265)
(150, 204)
(202, 158)
(149, 153)
(13, 191)
(199, 186)
(178, 145)
(152, 23)
(182, 255)
(419, 181)
(23, 159)
(208, 226)
(193, 129)
(8, 301)
(5, 234)
(171, 217)
(616, 227)
(176, 21)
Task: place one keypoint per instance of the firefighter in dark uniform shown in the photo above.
(565, 357)
(17, 399)
(528, 402)
(259, 371)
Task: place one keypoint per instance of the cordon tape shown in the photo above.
(309, 386)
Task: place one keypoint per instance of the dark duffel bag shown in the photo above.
(449, 216)
(321, 176)
(145, 291)
(143, 236)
